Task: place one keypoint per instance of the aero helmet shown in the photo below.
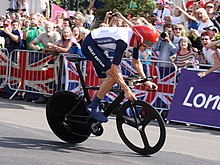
(145, 34)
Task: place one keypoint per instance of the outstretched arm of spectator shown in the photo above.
(185, 13)
(33, 46)
(212, 44)
(183, 5)
(91, 5)
(215, 67)
(57, 48)
(124, 19)
(107, 18)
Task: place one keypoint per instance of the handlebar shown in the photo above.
(135, 80)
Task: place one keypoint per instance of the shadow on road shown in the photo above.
(37, 144)
(17, 104)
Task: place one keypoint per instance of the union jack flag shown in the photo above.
(33, 71)
(3, 68)
(72, 82)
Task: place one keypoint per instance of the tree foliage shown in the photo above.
(142, 7)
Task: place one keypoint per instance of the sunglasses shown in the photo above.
(178, 29)
(189, 11)
(204, 39)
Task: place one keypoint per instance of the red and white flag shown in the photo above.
(57, 10)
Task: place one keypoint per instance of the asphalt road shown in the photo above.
(25, 138)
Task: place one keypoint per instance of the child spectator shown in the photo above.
(176, 19)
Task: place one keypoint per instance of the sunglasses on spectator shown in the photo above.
(178, 29)
(204, 39)
(189, 11)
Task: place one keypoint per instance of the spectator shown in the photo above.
(185, 56)
(79, 20)
(77, 34)
(59, 20)
(23, 7)
(162, 13)
(102, 24)
(204, 20)
(66, 22)
(191, 21)
(179, 31)
(216, 58)
(89, 17)
(12, 35)
(214, 16)
(165, 47)
(207, 51)
(176, 19)
(212, 30)
(32, 32)
(66, 42)
(49, 36)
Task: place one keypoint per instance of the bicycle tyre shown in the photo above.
(60, 104)
(151, 116)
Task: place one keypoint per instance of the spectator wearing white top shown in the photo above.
(207, 51)
(176, 19)
(162, 12)
(204, 20)
(162, 15)
(89, 17)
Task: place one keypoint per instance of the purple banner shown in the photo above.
(197, 100)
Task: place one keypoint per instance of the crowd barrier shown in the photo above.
(34, 72)
(4, 63)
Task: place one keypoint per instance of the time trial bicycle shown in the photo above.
(143, 132)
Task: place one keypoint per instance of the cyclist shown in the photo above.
(118, 40)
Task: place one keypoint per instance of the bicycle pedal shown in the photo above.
(66, 125)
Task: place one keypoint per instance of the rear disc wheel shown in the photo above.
(71, 129)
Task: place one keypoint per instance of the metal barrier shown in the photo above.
(34, 72)
(4, 62)
(31, 71)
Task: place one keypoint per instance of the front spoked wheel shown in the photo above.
(144, 132)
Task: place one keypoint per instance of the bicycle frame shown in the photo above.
(114, 105)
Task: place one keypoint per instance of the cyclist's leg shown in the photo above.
(101, 63)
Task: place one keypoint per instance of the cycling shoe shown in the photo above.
(97, 114)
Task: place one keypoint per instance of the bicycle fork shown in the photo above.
(137, 119)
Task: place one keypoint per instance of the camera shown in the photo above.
(163, 35)
(112, 14)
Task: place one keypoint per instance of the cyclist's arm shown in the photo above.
(139, 67)
(137, 63)
(115, 73)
